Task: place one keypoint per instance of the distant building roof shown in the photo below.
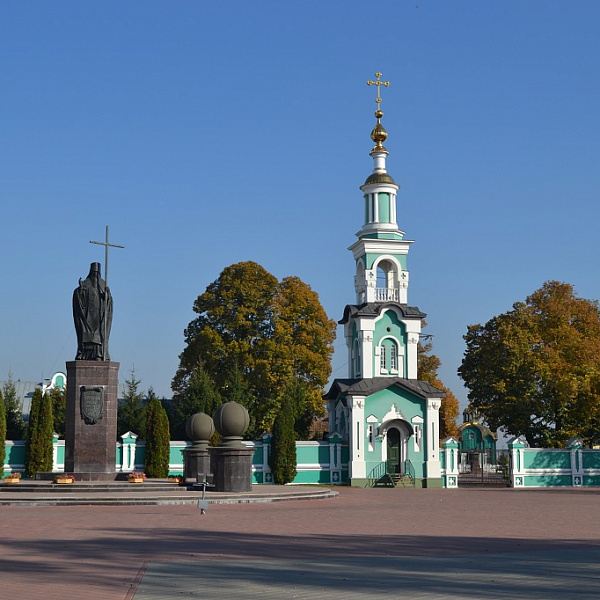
(24, 389)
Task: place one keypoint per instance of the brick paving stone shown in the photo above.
(100, 552)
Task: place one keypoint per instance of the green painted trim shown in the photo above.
(433, 482)
(370, 259)
(382, 236)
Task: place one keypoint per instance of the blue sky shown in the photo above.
(209, 133)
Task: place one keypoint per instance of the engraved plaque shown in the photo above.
(92, 403)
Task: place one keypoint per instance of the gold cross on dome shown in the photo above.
(378, 83)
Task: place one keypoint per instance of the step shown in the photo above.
(85, 486)
(78, 495)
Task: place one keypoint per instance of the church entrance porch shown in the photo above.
(395, 456)
(395, 468)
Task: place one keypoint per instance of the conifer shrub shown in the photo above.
(15, 428)
(157, 440)
(283, 459)
(2, 426)
(39, 435)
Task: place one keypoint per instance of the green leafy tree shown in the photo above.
(2, 424)
(253, 336)
(131, 415)
(535, 370)
(283, 459)
(15, 427)
(157, 438)
(200, 395)
(39, 435)
(59, 409)
(427, 369)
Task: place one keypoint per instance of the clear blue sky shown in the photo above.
(207, 133)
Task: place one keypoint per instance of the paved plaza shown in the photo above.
(401, 543)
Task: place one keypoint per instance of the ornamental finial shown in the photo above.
(378, 83)
(379, 134)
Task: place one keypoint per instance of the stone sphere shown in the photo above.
(200, 427)
(232, 419)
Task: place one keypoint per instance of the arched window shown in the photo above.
(393, 358)
(388, 357)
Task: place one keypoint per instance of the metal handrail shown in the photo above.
(382, 473)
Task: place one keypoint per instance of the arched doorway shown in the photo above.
(396, 446)
(394, 450)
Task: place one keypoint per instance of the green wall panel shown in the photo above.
(591, 459)
(548, 480)
(384, 207)
(546, 459)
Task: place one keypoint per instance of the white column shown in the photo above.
(358, 468)
(54, 453)
(365, 339)
(432, 422)
(411, 348)
(348, 334)
(376, 207)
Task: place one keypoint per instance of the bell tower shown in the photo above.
(388, 418)
(381, 280)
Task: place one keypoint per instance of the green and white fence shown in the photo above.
(573, 466)
(318, 462)
(327, 462)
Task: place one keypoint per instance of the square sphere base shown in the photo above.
(232, 469)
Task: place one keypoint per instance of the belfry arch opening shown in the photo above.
(387, 281)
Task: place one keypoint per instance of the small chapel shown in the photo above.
(386, 415)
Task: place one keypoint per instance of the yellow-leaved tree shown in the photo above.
(257, 339)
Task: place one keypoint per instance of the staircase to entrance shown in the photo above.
(390, 474)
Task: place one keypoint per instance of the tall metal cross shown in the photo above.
(106, 246)
(378, 83)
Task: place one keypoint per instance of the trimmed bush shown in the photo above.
(283, 459)
(39, 435)
(157, 440)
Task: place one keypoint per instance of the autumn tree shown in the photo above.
(535, 370)
(302, 348)
(253, 336)
(427, 368)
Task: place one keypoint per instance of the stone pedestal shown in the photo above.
(232, 468)
(91, 417)
(195, 460)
